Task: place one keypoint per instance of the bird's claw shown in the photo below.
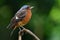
(21, 30)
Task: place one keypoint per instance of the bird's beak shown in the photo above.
(31, 7)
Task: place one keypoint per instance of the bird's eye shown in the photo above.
(27, 7)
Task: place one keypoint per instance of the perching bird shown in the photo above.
(21, 18)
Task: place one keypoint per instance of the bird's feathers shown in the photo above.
(20, 17)
(24, 7)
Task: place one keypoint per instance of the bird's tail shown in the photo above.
(8, 27)
(12, 31)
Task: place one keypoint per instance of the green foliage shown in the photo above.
(55, 14)
(45, 21)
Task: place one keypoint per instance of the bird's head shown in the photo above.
(26, 7)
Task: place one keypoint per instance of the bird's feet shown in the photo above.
(21, 30)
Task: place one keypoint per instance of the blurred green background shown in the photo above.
(45, 21)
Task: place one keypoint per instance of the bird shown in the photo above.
(21, 18)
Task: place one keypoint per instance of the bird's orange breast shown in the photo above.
(26, 19)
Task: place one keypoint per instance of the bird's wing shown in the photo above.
(18, 17)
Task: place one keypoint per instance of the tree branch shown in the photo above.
(20, 35)
(28, 31)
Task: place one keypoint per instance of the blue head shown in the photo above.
(26, 7)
